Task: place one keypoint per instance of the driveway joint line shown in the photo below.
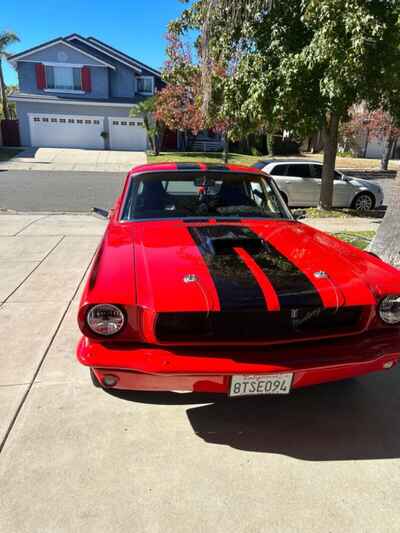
(14, 385)
(34, 270)
(42, 360)
(30, 224)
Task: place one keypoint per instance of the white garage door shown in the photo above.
(127, 134)
(66, 131)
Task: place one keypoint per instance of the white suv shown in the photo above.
(300, 184)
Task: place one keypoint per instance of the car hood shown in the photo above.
(251, 265)
(366, 184)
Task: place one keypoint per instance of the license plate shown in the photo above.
(261, 384)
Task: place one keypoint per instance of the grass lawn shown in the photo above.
(354, 163)
(201, 157)
(8, 153)
(360, 239)
(314, 212)
(213, 157)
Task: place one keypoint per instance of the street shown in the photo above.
(22, 190)
(76, 458)
(72, 191)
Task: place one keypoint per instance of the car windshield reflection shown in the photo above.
(202, 195)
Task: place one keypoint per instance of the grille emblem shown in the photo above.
(190, 278)
(320, 275)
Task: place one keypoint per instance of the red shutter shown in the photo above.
(86, 81)
(40, 76)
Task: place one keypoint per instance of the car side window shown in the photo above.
(279, 170)
(337, 175)
(316, 171)
(299, 171)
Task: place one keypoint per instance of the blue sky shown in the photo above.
(136, 27)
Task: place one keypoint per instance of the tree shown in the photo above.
(387, 240)
(154, 126)
(299, 65)
(178, 104)
(365, 125)
(10, 89)
(6, 39)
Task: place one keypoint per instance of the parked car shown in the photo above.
(300, 184)
(204, 281)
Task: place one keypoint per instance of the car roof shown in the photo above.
(192, 167)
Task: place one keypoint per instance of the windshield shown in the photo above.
(202, 194)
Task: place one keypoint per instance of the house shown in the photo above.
(76, 92)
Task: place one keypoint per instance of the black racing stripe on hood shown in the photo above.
(236, 286)
(292, 286)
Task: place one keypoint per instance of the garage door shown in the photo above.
(127, 134)
(66, 131)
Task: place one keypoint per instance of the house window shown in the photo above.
(67, 78)
(145, 85)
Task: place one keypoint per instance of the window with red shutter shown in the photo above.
(40, 76)
(86, 80)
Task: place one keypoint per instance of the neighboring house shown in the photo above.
(77, 92)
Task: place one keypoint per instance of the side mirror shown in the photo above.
(299, 214)
(103, 213)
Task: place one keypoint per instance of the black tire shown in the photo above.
(94, 379)
(364, 201)
(284, 197)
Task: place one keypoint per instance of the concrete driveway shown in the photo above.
(54, 159)
(75, 458)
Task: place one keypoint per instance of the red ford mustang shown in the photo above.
(204, 281)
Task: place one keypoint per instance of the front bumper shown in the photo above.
(209, 370)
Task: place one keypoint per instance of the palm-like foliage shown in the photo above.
(6, 39)
(154, 128)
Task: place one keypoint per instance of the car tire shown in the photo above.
(364, 201)
(284, 197)
(94, 379)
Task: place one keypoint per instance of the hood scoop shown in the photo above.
(224, 240)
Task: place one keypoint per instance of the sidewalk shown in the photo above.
(337, 225)
(77, 458)
(66, 159)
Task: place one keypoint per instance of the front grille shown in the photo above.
(257, 326)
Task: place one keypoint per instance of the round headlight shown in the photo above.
(389, 309)
(105, 319)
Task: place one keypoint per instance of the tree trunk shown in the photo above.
(387, 152)
(366, 144)
(3, 93)
(386, 244)
(317, 143)
(225, 152)
(330, 150)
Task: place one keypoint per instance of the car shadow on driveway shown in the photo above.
(352, 420)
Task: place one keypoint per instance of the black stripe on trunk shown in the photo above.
(187, 166)
(236, 286)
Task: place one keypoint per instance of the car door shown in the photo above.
(302, 186)
(341, 189)
(343, 192)
(278, 172)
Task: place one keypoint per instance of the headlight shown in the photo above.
(105, 319)
(389, 309)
